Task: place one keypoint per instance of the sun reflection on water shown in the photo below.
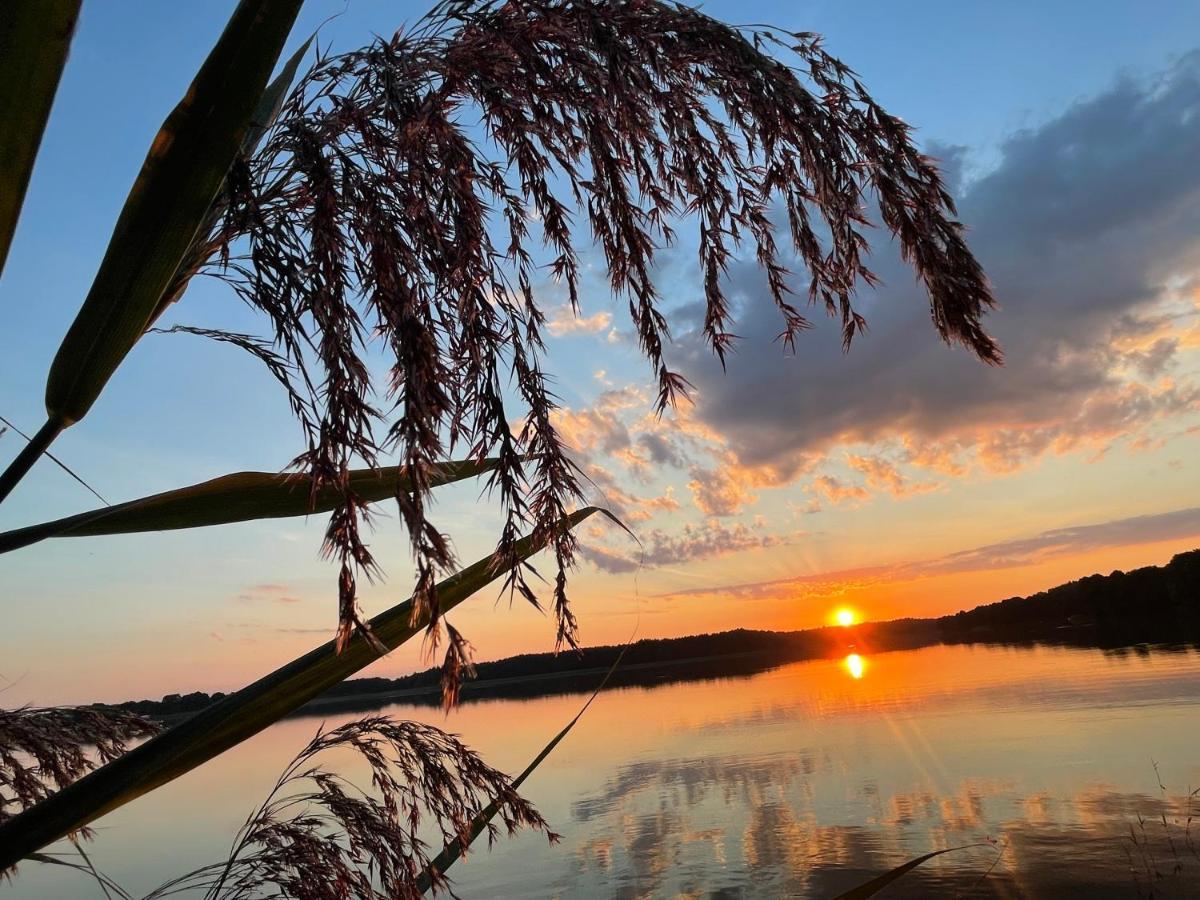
(855, 665)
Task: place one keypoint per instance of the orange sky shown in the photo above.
(903, 478)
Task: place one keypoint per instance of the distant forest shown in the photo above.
(1149, 605)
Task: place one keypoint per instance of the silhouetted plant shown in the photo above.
(371, 214)
(44, 750)
(317, 836)
(368, 210)
(1161, 850)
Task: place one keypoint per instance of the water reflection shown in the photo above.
(809, 780)
(855, 665)
(797, 782)
(759, 829)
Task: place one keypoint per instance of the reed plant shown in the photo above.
(356, 208)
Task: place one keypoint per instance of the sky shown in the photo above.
(903, 478)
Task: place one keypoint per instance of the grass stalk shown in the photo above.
(29, 454)
(457, 849)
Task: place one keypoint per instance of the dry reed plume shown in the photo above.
(376, 214)
(319, 837)
(44, 750)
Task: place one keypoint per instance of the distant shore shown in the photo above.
(1156, 604)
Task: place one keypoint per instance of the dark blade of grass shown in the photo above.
(875, 885)
(58, 462)
(35, 36)
(457, 848)
(241, 497)
(106, 884)
(239, 716)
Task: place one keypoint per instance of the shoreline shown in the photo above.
(1153, 605)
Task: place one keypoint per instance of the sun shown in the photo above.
(845, 616)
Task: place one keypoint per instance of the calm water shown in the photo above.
(798, 782)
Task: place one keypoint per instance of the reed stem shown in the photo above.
(29, 455)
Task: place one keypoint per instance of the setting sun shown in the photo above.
(845, 616)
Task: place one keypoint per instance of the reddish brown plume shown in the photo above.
(398, 203)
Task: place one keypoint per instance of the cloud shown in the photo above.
(695, 542)
(626, 505)
(563, 321)
(661, 450)
(268, 593)
(601, 428)
(837, 491)
(1073, 540)
(1088, 227)
(883, 474)
(1028, 551)
(720, 491)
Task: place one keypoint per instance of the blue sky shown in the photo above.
(1003, 91)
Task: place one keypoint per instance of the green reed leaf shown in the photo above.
(240, 497)
(264, 117)
(34, 38)
(180, 177)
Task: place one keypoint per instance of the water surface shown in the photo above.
(797, 782)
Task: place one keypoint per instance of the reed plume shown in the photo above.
(402, 193)
(42, 750)
(318, 836)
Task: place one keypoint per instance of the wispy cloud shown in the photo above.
(268, 593)
(563, 321)
(1046, 545)
(694, 542)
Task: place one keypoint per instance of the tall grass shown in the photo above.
(355, 211)
(1161, 847)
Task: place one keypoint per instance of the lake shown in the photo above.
(801, 781)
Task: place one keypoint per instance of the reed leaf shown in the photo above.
(34, 38)
(241, 715)
(875, 885)
(169, 202)
(240, 497)
(264, 117)
(181, 176)
(457, 849)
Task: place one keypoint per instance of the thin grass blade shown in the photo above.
(35, 36)
(239, 716)
(240, 497)
(875, 885)
(457, 848)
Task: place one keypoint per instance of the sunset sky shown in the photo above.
(902, 479)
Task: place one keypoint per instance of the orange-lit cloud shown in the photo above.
(1097, 290)
(563, 321)
(1059, 542)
